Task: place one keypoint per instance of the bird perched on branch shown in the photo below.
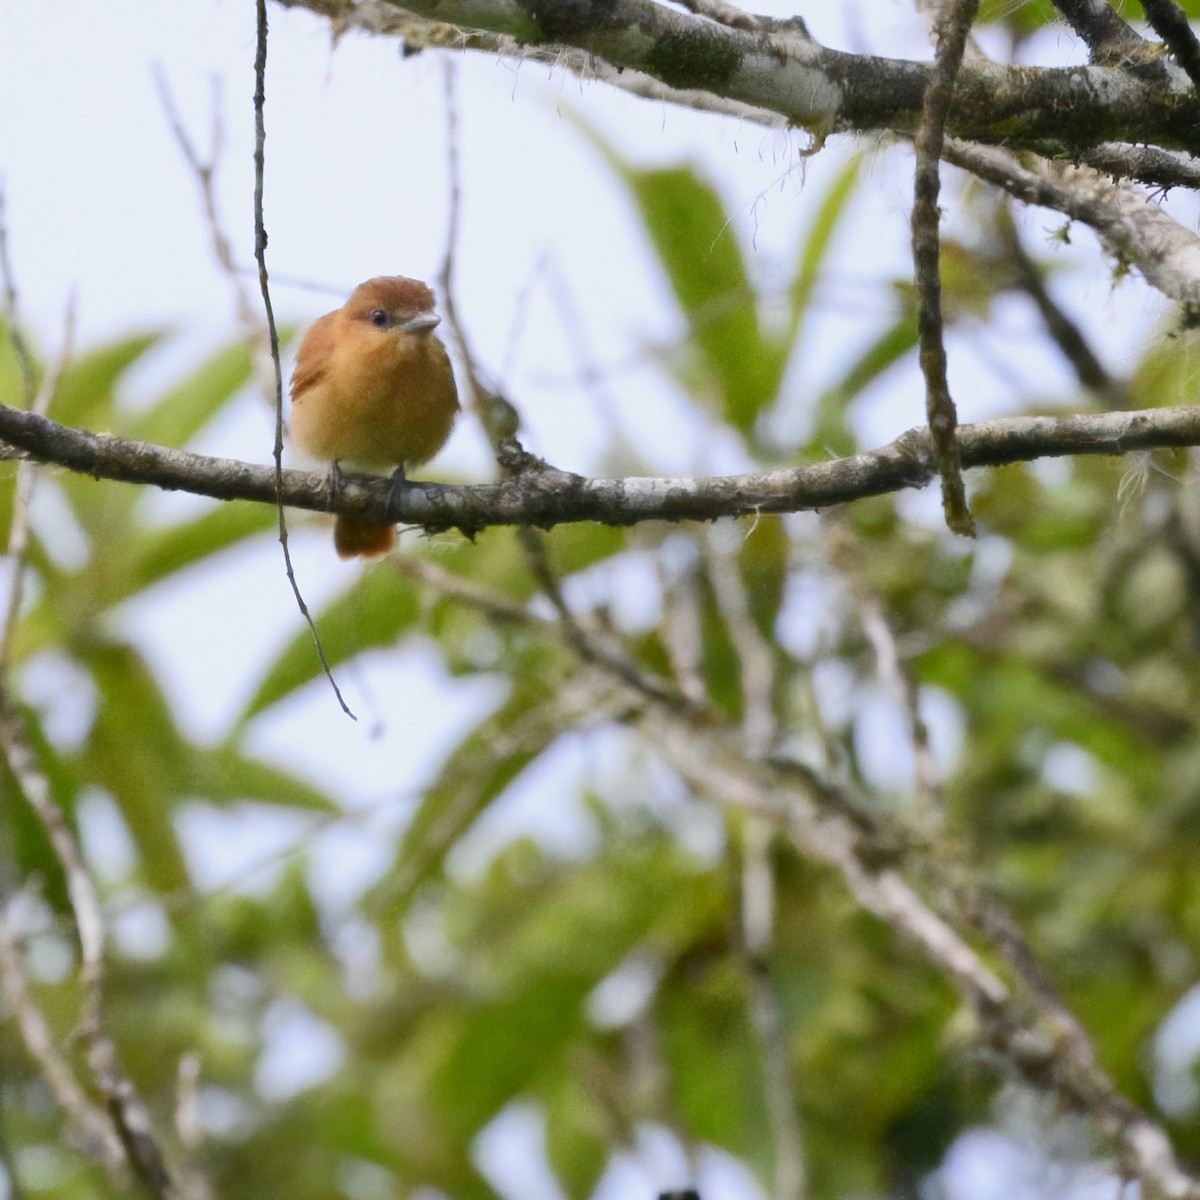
(373, 390)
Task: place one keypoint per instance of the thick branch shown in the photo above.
(1131, 226)
(782, 70)
(549, 497)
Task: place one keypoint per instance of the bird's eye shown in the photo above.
(379, 318)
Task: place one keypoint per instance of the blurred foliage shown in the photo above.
(1025, 17)
(611, 992)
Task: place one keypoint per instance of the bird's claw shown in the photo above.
(399, 483)
(335, 481)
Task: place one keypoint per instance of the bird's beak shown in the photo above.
(421, 323)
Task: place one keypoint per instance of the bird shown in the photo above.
(373, 390)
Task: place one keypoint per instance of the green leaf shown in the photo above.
(186, 408)
(1024, 18)
(825, 224)
(474, 775)
(225, 774)
(720, 661)
(12, 382)
(138, 756)
(575, 1143)
(104, 510)
(571, 548)
(381, 606)
(714, 1060)
(763, 558)
(156, 554)
(832, 433)
(699, 251)
(500, 1047)
(740, 368)
(84, 396)
(136, 752)
(544, 936)
(30, 849)
(1166, 372)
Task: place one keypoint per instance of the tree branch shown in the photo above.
(128, 1112)
(818, 813)
(782, 70)
(544, 497)
(1147, 164)
(1171, 24)
(1109, 38)
(89, 1123)
(1026, 1024)
(1063, 331)
(926, 244)
(260, 257)
(1131, 226)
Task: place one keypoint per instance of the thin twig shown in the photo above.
(723, 14)
(98, 1134)
(204, 169)
(90, 1123)
(945, 862)
(926, 243)
(1043, 1050)
(1171, 24)
(682, 636)
(12, 314)
(27, 476)
(591, 648)
(591, 375)
(1137, 231)
(1152, 165)
(1063, 331)
(819, 816)
(8, 1163)
(445, 275)
(125, 1106)
(985, 912)
(496, 414)
(499, 420)
(1047, 1047)
(756, 663)
(766, 1013)
(495, 605)
(891, 671)
(193, 1185)
(36, 399)
(260, 256)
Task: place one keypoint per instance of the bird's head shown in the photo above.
(393, 303)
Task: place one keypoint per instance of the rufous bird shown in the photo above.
(373, 390)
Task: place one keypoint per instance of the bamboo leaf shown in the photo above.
(380, 607)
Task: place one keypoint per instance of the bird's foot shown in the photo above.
(399, 483)
(335, 481)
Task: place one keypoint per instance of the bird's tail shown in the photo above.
(354, 538)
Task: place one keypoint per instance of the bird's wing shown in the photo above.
(312, 359)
